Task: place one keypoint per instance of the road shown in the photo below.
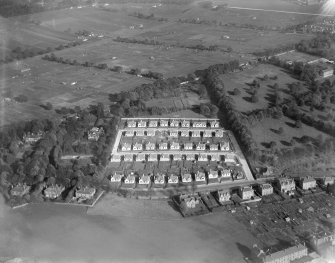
(277, 11)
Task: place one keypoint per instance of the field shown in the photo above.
(61, 85)
(266, 130)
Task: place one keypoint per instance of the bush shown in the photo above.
(21, 98)
(254, 98)
(48, 106)
(281, 130)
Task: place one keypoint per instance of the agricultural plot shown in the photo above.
(169, 61)
(61, 85)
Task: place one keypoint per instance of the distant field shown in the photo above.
(170, 62)
(51, 82)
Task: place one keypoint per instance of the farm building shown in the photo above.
(140, 157)
(163, 123)
(126, 147)
(137, 146)
(185, 124)
(142, 124)
(246, 192)
(153, 123)
(214, 147)
(265, 189)
(213, 174)
(163, 146)
(140, 133)
(150, 146)
(186, 178)
(224, 146)
(185, 133)
(116, 158)
(177, 157)
(174, 133)
(130, 179)
(200, 177)
(53, 191)
(188, 146)
(151, 133)
(85, 192)
(117, 176)
(190, 157)
(307, 183)
(128, 157)
(159, 179)
(286, 185)
(287, 255)
(327, 181)
(201, 146)
(174, 146)
(95, 133)
(165, 157)
(219, 133)
(173, 179)
(207, 134)
(196, 133)
(20, 190)
(174, 123)
(129, 133)
(214, 124)
(224, 196)
(152, 157)
(199, 124)
(131, 124)
(202, 157)
(144, 179)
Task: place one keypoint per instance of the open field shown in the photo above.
(243, 79)
(60, 233)
(54, 83)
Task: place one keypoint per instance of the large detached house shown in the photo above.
(246, 192)
(224, 196)
(53, 191)
(20, 190)
(85, 192)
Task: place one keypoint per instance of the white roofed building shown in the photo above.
(164, 157)
(163, 123)
(188, 146)
(185, 124)
(126, 147)
(131, 124)
(153, 123)
(174, 123)
(200, 177)
(163, 146)
(214, 124)
(117, 176)
(150, 146)
(186, 178)
(137, 146)
(142, 124)
(174, 146)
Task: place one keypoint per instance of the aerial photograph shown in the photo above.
(167, 131)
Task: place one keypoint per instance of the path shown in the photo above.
(277, 11)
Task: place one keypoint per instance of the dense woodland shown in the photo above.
(40, 164)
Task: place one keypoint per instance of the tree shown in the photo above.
(48, 106)
(236, 92)
(205, 110)
(254, 98)
(281, 130)
(298, 124)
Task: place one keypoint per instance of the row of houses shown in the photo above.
(219, 133)
(172, 123)
(214, 175)
(165, 157)
(151, 146)
(53, 191)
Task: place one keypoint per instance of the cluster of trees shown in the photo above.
(132, 103)
(258, 115)
(234, 119)
(150, 17)
(42, 161)
(157, 43)
(319, 46)
(20, 53)
(208, 109)
(103, 66)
